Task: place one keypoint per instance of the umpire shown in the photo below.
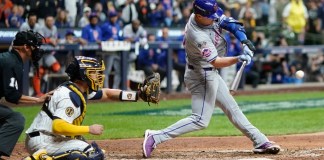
(25, 46)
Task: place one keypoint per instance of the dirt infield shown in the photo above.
(294, 147)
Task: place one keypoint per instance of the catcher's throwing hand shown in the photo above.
(96, 129)
(149, 91)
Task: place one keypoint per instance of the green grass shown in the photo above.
(133, 125)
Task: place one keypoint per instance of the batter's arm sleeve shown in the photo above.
(233, 26)
(62, 127)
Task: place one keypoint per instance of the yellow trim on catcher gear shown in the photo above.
(62, 127)
(78, 121)
(96, 83)
(68, 153)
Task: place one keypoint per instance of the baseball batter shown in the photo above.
(57, 130)
(204, 49)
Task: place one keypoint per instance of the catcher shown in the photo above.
(56, 132)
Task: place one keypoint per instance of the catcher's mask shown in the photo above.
(31, 38)
(87, 69)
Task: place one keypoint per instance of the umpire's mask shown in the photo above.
(33, 39)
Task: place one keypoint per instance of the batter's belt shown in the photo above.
(205, 69)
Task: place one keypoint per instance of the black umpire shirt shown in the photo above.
(11, 75)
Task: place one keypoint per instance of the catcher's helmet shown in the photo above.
(87, 69)
(206, 8)
(30, 38)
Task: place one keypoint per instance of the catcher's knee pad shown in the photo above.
(97, 153)
(92, 152)
(71, 155)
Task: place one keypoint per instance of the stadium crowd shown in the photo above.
(267, 23)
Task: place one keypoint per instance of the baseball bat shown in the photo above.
(237, 79)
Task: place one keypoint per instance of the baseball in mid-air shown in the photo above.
(300, 74)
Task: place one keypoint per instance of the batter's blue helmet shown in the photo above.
(206, 8)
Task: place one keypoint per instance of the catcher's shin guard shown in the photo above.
(94, 154)
(39, 155)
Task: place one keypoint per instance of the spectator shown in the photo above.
(62, 20)
(92, 33)
(71, 8)
(168, 18)
(14, 20)
(5, 9)
(186, 12)
(179, 64)
(31, 23)
(248, 18)
(63, 56)
(70, 38)
(98, 11)
(162, 58)
(251, 73)
(275, 10)
(134, 33)
(143, 10)
(157, 16)
(129, 12)
(148, 60)
(85, 18)
(264, 7)
(320, 14)
(313, 27)
(295, 16)
(176, 20)
(22, 13)
(48, 63)
(45, 8)
(316, 73)
(111, 31)
(280, 69)
(49, 31)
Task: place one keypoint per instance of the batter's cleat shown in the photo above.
(267, 148)
(41, 154)
(148, 144)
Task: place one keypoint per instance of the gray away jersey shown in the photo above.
(203, 43)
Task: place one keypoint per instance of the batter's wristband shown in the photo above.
(128, 96)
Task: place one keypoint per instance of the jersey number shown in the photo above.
(13, 83)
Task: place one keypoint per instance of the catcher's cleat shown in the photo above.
(267, 148)
(148, 144)
(39, 155)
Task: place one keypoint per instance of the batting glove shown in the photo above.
(245, 57)
(248, 47)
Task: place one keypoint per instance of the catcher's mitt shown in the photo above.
(149, 91)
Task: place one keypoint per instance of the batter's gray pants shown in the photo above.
(207, 88)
